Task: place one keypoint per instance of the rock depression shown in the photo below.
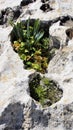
(18, 110)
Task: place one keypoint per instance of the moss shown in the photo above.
(44, 90)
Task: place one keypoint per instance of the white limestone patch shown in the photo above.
(9, 3)
(59, 32)
(14, 78)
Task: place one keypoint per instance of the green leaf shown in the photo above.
(28, 63)
(45, 44)
(24, 33)
(18, 31)
(33, 49)
(28, 29)
(26, 50)
(38, 52)
(23, 57)
(38, 36)
(22, 44)
(36, 66)
(36, 27)
(45, 81)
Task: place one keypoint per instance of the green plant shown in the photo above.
(44, 90)
(36, 89)
(31, 45)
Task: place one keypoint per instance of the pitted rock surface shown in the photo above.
(18, 111)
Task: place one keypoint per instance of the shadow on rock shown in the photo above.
(38, 117)
(12, 117)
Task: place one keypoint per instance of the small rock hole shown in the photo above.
(46, 7)
(44, 90)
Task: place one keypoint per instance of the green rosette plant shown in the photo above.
(31, 45)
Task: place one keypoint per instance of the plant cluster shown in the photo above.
(44, 90)
(31, 45)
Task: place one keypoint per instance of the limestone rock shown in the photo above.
(18, 111)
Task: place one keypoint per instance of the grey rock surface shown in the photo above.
(18, 111)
